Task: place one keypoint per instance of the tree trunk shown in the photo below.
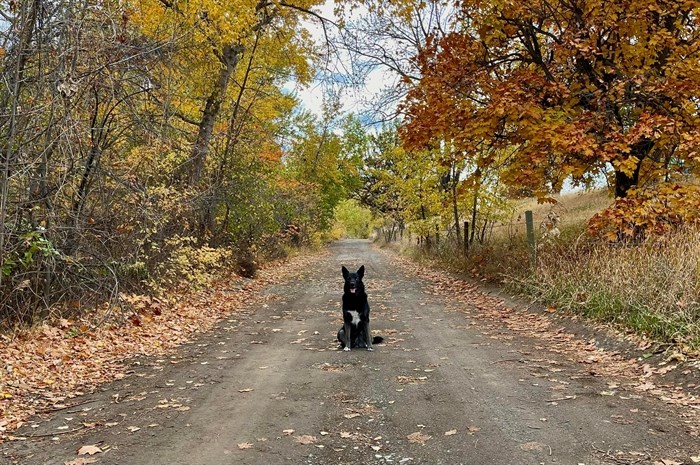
(81, 195)
(475, 205)
(229, 58)
(26, 22)
(625, 182)
(455, 207)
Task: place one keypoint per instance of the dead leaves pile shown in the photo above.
(45, 367)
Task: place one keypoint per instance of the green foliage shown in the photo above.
(353, 219)
(431, 190)
(33, 247)
(322, 161)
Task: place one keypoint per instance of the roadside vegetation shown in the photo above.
(154, 146)
(650, 288)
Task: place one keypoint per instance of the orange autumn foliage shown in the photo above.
(554, 91)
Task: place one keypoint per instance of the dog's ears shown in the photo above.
(360, 272)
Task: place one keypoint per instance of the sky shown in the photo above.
(311, 97)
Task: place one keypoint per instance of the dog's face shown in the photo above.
(353, 281)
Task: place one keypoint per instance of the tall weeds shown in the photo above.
(652, 287)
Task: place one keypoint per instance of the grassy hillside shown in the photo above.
(573, 208)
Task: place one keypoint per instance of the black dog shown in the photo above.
(355, 331)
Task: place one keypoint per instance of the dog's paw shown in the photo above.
(370, 349)
(347, 349)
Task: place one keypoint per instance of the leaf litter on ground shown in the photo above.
(46, 367)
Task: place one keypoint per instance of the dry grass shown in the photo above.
(651, 288)
(574, 209)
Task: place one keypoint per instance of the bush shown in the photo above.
(352, 219)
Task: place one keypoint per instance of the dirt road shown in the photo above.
(269, 386)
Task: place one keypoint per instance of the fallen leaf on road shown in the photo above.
(418, 437)
(645, 387)
(133, 429)
(451, 432)
(376, 448)
(695, 459)
(81, 461)
(474, 429)
(351, 415)
(668, 462)
(245, 445)
(323, 433)
(345, 434)
(89, 450)
(246, 390)
(287, 432)
(305, 439)
(410, 379)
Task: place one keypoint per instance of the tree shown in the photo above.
(314, 158)
(381, 45)
(569, 90)
(75, 88)
(135, 133)
(217, 37)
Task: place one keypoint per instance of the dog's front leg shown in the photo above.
(348, 339)
(369, 337)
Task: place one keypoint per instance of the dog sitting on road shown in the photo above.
(355, 331)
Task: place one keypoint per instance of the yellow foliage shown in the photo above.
(649, 212)
(192, 265)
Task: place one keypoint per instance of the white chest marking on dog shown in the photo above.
(355, 317)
